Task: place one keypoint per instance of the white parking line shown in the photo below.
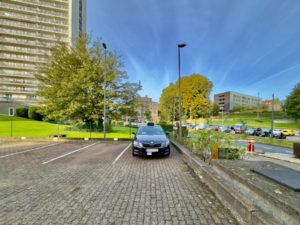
(119, 156)
(69, 153)
(29, 150)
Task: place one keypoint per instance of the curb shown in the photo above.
(277, 158)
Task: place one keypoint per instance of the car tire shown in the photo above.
(167, 155)
(133, 154)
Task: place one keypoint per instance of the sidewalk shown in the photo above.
(284, 157)
(286, 160)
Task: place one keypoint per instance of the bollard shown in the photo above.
(250, 145)
(215, 152)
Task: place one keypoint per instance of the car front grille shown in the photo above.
(149, 145)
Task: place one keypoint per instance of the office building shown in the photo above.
(228, 100)
(29, 28)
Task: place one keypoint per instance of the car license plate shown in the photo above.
(152, 150)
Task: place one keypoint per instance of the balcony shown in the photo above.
(34, 11)
(18, 66)
(30, 51)
(34, 19)
(33, 27)
(16, 91)
(38, 3)
(14, 83)
(35, 35)
(22, 58)
(25, 42)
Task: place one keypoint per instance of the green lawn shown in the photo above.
(21, 127)
(251, 119)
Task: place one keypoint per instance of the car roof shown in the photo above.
(149, 126)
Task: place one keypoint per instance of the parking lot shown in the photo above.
(94, 182)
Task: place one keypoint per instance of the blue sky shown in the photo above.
(248, 46)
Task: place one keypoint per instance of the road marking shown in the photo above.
(266, 147)
(69, 153)
(119, 156)
(29, 150)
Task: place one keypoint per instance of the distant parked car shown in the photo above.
(213, 127)
(288, 132)
(258, 132)
(278, 134)
(239, 129)
(251, 131)
(224, 129)
(201, 126)
(264, 133)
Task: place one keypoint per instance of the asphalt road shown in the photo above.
(101, 183)
(268, 148)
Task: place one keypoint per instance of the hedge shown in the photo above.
(34, 114)
(22, 112)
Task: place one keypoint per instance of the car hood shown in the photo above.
(156, 138)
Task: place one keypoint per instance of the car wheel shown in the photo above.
(133, 154)
(168, 154)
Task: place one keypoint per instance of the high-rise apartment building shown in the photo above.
(29, 28)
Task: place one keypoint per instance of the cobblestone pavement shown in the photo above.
(86, 187)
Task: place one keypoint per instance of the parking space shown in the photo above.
(102, 183)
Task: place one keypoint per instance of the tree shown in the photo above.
(195, 98)
(168, 104)
(33, 113)
(148, 116)
(292, 104)
(215, 109)
(72, 83)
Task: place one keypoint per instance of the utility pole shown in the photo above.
(179, 90)
(173, 119)
(222, 111)
(104, 97)
(258, 105)
(272, 123)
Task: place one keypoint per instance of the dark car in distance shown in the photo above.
(150, 140)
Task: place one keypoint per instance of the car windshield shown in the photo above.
(150, 130)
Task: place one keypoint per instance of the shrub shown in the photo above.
(117, 123)
(22, 112)
(166, 127)
(33, 113)
(202, 143)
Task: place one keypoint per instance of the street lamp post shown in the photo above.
(104, 94)
(272, 123)
(222, 111)
(182, 45)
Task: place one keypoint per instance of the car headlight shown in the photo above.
(165, 144)
(137, 144)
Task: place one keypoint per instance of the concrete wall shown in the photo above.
(4, 107)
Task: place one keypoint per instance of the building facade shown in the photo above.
(228, 100)
(267, 105)
(29, 29)
(147, 106)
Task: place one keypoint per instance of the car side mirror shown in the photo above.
(167, 133)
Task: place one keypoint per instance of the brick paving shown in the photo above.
(94, 191)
